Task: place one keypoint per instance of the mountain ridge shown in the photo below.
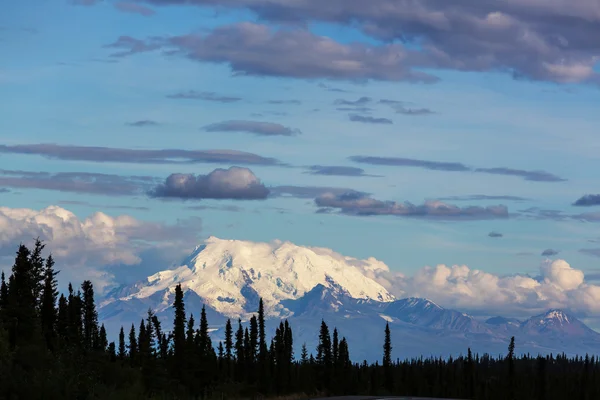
(305, 285)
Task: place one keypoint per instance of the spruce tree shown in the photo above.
(254, 351)
(22, 303)
(133, 346)
(62, 319)
(36, 262)
(122, 349)
(511, 368)
(90, 316)
(336, 346)
(304, 354)
(48, 311)
(387, 359)
(179, 323)
(228, 340)
(3, 291)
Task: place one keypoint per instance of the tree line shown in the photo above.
(53, 347)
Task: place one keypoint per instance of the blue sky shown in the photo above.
(61, 83)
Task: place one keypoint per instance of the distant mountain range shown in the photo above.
(306, 285)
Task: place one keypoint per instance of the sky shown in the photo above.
(423, 134)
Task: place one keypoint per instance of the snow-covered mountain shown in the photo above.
(306, 285)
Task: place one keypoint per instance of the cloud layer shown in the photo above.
(588, 200)
(359, 204)
(83, 247)
(258, 50)
(537, 176)
(120, 155)
(253, 127)
(531, 39)
(234, 183)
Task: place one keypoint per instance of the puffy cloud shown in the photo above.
(254, 127)
(478, 292)
(355, 203)
(233, 183)
(83, 248)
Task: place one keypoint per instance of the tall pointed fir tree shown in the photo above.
(90, 316)
(122, 352)
(240, 353)
(133, 346)
(511, 369)
(36, 262)
(48, 311)
(387, 359)
(179, 323)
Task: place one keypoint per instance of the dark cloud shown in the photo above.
(588, 200)
(258, 50)
(355, 109)
(143, 122)
(209, 96)
(538, 176)
(336, 170)
(358, 204)
(550, 252)
(134, 8)
(254, 127)
(369, 120)
(234, 183)
(135, 156)
(409, 162)
(4, 190)
(553, 41)
(331, 88)
(77, 182)
(476, 197)
(227, 208)
(360, 102)
(495, 235)
(308, 192)
(296, 102)
(590, 252)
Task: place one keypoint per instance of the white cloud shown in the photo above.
(558, 286)
(84, 247)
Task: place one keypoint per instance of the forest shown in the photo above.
(53, 347)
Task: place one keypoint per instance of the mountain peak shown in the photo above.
(230, 275)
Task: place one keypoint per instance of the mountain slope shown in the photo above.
(306, 285)
(231, 275)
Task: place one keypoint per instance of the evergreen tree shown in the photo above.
(90, 316)
(387, 359)
(336, 346)
(511, 368)
(122, 349)
(205, 342)
(254, 350)
(21, 306)
(75, 334)
(102, 340)
(228, 340)
(304, 354)
(239, 352)
(48, 310)
(133, 346)
(179, 339)
(62, 319)
(3, 291)
(37, 271)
